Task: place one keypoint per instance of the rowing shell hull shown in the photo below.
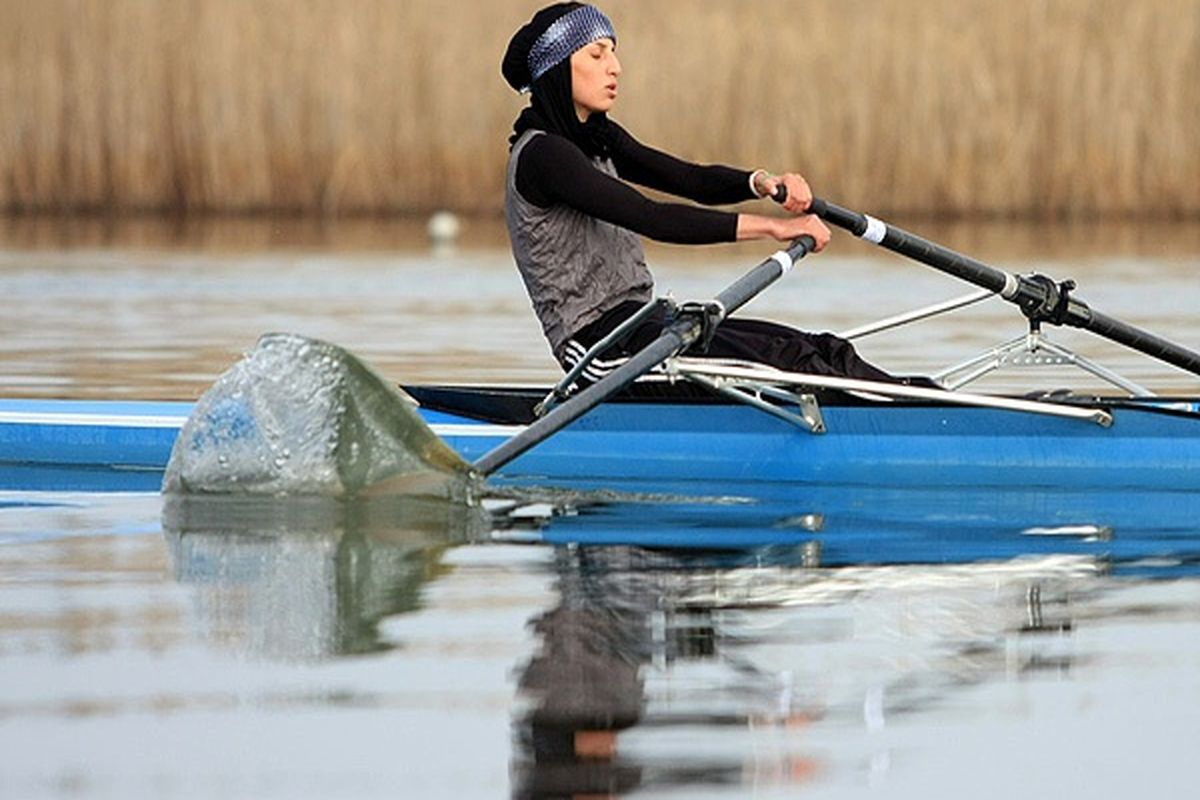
(626, 443)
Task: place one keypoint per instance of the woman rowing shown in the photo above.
(574, 221)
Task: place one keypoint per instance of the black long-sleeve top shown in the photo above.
(551, 169)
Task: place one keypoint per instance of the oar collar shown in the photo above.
(1050, 301)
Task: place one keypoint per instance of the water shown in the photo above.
(160, 313)
(921, 643)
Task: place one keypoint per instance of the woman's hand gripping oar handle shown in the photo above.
(677, 337)
(1040, 298)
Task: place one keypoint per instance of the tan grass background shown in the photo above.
(1009, 107)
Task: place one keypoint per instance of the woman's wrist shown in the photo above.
(757, 187)
(753, 226)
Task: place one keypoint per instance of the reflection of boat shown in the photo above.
(1129, 531)
(664, 433)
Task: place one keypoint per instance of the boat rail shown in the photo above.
(748, 383)
(917, 314)
(1031, 349)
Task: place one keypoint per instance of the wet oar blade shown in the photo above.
(298, 416)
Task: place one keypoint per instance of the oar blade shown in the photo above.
(298, 416)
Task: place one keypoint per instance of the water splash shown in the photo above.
(305, 417)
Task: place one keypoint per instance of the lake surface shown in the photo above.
(920, 643)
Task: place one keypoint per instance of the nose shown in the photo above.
(614, 65)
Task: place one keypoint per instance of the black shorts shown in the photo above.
(752, 340)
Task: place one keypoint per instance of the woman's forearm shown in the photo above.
(783, 229)
(754, 226)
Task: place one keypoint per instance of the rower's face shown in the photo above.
(594, 73)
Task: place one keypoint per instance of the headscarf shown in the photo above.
(538, 59)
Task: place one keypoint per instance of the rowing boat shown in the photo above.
(660, 416)
(658, 430)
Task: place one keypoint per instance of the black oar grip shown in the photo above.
(844, 218)
(780, 194)
(801, 247)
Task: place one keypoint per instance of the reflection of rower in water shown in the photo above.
(588, 681)
(574, 222)
(586, 686)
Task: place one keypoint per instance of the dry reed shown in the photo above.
(1071, 107)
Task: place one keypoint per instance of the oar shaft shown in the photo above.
(745, 288)
(908, 244)
(1142, 340)
(1026, 292)
(677, 337)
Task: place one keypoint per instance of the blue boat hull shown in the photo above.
(633, 442)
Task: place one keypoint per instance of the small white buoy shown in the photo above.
(443, 228)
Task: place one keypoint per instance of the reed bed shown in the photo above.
(953, 107)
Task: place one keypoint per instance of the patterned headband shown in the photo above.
(567, 34)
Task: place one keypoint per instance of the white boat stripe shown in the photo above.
(471, 429)
(94, 420)
(168, 422)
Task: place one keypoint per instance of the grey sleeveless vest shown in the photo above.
(575, 267)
